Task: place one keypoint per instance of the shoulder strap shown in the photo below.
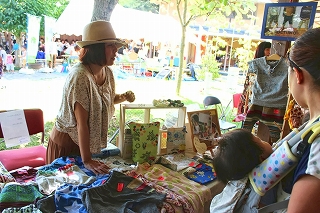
(308, 135)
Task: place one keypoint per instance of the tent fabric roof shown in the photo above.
(127, 23)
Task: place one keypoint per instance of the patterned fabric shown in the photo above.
(268, 173)
(5, 176)
(16, 195)
(122, 193)
(272, 117)
(172, 200)
(74, 175)
(144, 141)
(176, 140)
(176, 162)
(26, 209)
(195, 193)
(25, 174)
(203, 174)
(270, 88)
(80, 87)
(294, 114)
(68, 196)
(116, 163)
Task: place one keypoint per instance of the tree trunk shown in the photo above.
(182, 46)
(102, 9)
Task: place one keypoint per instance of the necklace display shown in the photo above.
(100, 91)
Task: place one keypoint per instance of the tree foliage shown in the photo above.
(214, 13)
(13, 13)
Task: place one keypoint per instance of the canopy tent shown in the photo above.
(127, 23)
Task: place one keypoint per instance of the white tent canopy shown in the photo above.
(127, 23)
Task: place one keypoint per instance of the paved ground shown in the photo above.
(44, 90)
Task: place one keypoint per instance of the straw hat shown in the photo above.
(99, 32)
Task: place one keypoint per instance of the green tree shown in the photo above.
(13, 13)
(215, 12)
(14, 19)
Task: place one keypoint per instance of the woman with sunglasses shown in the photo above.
(304, 84)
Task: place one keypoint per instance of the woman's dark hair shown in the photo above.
(93, 54)
(237, 154)
(260, 49)
(306, 53)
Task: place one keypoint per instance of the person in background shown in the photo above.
(304, 85)
(59, 46)
(288, 13)
(88, 100)
(23, 56)
(53, 52)
(10, 65)
(74, 54)
(1, 68)
(40, 53)
(263, 49)
(3, 55)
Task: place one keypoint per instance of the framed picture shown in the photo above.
(204, 124)
(287, 21)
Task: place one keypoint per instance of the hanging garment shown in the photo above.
(271, 85)
(269, 95)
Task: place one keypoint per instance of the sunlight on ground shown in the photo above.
(24, 92)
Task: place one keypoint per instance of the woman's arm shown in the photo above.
(305, 196)
(127, 96)
(119, 98)
(84, 141)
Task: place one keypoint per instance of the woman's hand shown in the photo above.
(129, 95)
(97, 167)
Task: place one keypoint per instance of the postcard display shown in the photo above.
(287, 21)
(205, 128)
(171, 140)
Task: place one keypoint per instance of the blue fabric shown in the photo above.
(15, 46)
(62, 161)
(203, 174)
(68, 196)
(41, 55)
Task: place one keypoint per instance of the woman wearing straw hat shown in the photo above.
(88, 99)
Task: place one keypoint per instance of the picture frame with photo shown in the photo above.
(287, 21)
(204, 124)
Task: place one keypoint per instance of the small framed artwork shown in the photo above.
(204, 125)
(287, 21)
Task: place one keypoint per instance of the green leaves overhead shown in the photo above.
(13, 13)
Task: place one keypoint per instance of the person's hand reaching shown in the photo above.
(97, 167)
(129, 96)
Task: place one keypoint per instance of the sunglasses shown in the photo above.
(292, 63)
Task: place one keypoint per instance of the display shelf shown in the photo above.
(147, 112)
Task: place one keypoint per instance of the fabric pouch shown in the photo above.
(176, 140)
(144, 141)
(203, 174)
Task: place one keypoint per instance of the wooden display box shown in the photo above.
(147, 108)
